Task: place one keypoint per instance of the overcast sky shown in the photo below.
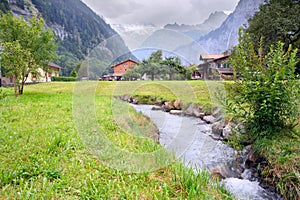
(158, 12)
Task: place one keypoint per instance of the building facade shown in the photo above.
(214, 67)
(121, 68)
(40, 75)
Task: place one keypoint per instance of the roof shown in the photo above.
(53, 65)
(221, 58)
(125, 62)
(210, 56)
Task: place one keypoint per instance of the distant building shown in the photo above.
(214, 67)
(40, 76)
(210, 57)
(121, 68)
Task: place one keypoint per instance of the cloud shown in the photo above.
(159, 12)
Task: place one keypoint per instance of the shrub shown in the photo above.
(266, 94)
(63, 79)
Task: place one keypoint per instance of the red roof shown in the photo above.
(125, 62)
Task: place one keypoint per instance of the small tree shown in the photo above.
(30, 38)
(132, 74)
(15, 58)
(153, 65)
(173, 66)
(74, 73)
(265, 94)
(189, 72)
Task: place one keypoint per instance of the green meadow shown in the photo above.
(44, 155)
(75, 141)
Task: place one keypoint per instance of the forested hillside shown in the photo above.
(77, 27)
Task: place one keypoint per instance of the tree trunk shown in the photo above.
(21, 88)
(16, 88)
(22, 85)
(46, 76)
(152, 77)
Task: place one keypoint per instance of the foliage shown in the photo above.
(55, 164)
(74, 73)
(15, 58)
(266, 94)
(26, 47)
(3, 94)
(83, 31)
(131, 74)
(157, 66)
(189, 71)
(282, 171)
(172, 66)
(276, 21)
(4, 7)
(63, 79)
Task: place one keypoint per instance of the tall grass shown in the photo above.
(42, 155)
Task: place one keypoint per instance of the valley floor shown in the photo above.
(43, 156)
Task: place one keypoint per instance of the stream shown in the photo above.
(188, 138)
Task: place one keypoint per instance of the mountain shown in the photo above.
(170, 36)
(226, 36)
(174, 35)
(135, 34)
(196, 31)
(223, 38)
(79, 30)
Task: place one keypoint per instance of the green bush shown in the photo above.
(63, 79)
(265, 95)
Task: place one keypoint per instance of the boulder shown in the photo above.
(209, 119)
(194, 110)
(156, 108)
(198, 113)
(166, 108)
(135, 101)
(224, 171)
(217, 128)
(158, 103)
(175, 112)
(189, 110)
(177, 105)
(226, 132)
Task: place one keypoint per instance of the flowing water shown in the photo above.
(188, 138)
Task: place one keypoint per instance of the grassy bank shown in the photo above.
(42, 155)
(283, 156)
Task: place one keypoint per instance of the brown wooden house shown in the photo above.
(214, 67)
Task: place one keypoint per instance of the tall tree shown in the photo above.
(173, 66)
(37, 44)
(277, 20)
(153, 65)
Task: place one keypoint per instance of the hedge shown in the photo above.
(63, 79)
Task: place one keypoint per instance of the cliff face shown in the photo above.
(223, 38)
(226, 36)
(78, 29)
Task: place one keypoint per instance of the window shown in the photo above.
(219, 65)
